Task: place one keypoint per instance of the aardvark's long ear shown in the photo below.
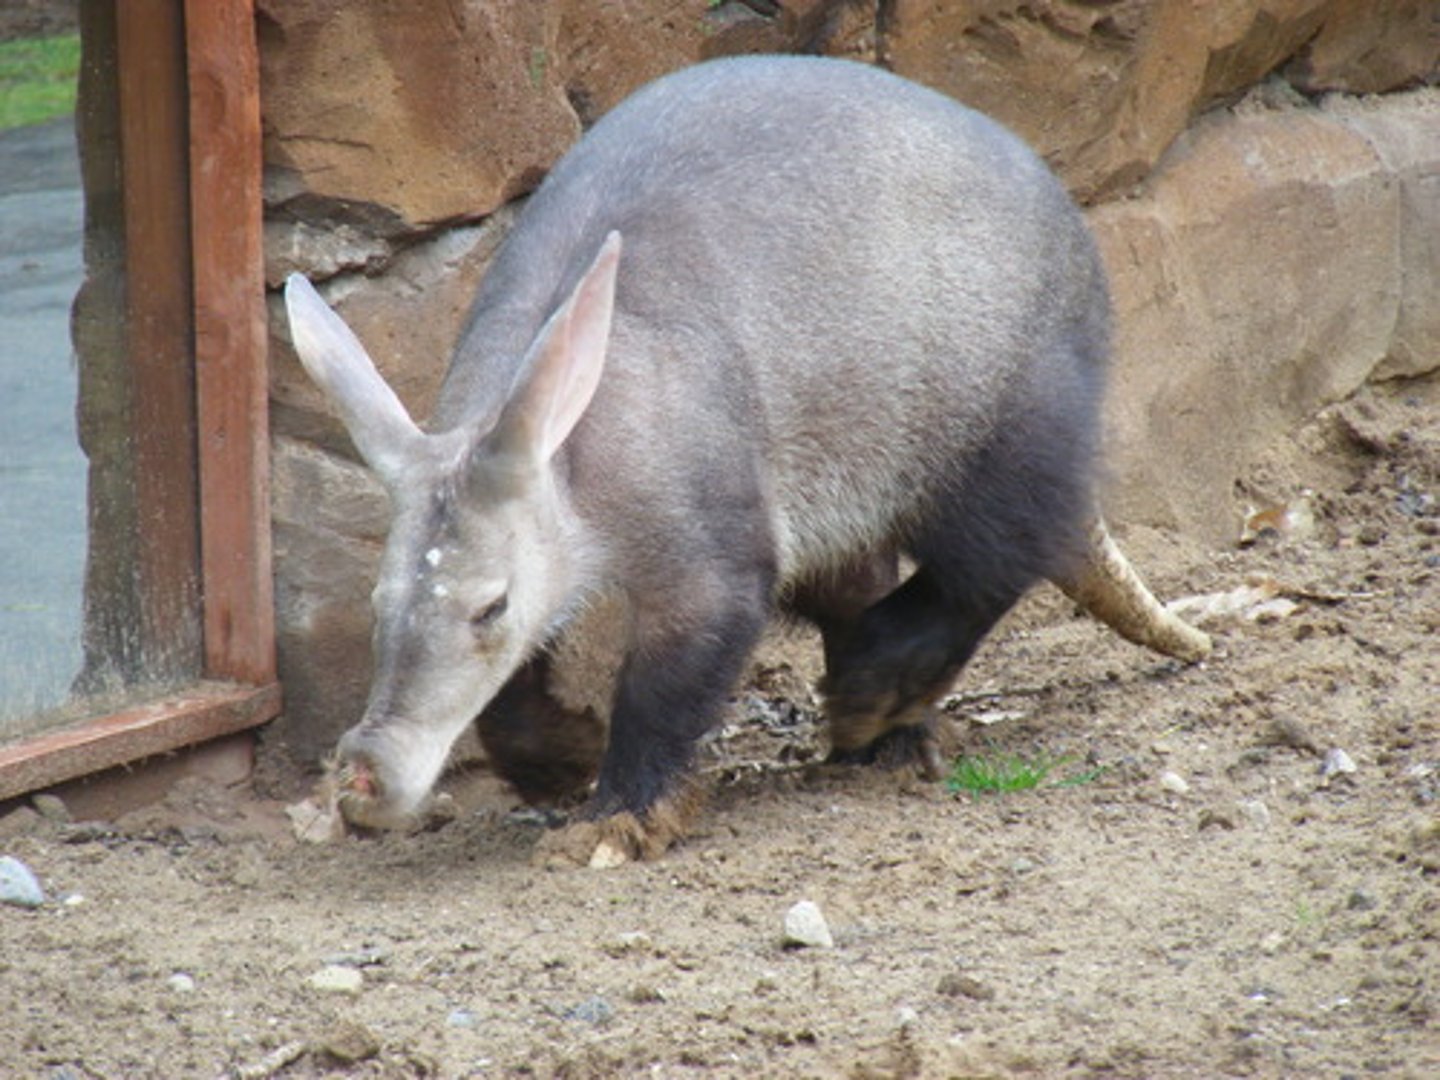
(378, 423)
(563, 366)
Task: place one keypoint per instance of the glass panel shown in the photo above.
(42, 469)
(99, 599)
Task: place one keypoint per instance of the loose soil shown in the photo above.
(1266, 920)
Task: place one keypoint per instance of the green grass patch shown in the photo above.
(998, 773)
(37, 79)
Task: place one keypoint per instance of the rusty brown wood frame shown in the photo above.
(191, 157)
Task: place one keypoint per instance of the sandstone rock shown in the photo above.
(1138, 71)
(434, 110)
(1404, 132)
(1371, 47)
(408, 321)
(1263, 274)
(329, 518)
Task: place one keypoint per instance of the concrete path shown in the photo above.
(42, 471)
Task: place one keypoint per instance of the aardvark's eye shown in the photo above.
(486, 617)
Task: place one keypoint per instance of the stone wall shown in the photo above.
(1263, 176)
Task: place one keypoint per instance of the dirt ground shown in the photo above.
(1245, 915)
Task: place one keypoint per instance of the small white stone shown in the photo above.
(335, 979)
(805, 927)
(1174, 782)
(607, 856)
(181, 983)
(434, 556)
(1255, 811)
(18, 885)
(1337, 763)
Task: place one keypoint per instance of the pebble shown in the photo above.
(629, 941)
(461, 1018)
(337, 979)
(607, 856)
(593, 1010)
(1362, 900)
(805, 927)
(51, 808)
(1174, 782)
(958, 984)
(1216, 818)
(181, 983)
(365, 956)
(1255, 811)
(1337, 763)
(1286, 731)
(349, 1042)
(18, 885)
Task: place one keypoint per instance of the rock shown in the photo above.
(315, 820)
(270, 1064)
(1286, 731)
(629, 942)
(645, 994)
(51, 807)
(1361, 899)
(348, 1042)
(959, 984)
(181, 983)
(357, 91)
(19, 822)
(593, 1010)
(1174, 782)
(1368, 48)
(1272, 942)
(1138, 73)
(337, 979)
(1254, 811)
(461, 1018)
(18, 885)
(1206, 236)
(607, 856)
(1216, 818)
(805, 927)
(1337, 763)
(366, 956)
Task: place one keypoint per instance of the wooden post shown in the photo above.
(230, 339)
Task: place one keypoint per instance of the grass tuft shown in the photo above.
(1000, 773)
(37, 79)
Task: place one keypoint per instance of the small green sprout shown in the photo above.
(998, 772)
